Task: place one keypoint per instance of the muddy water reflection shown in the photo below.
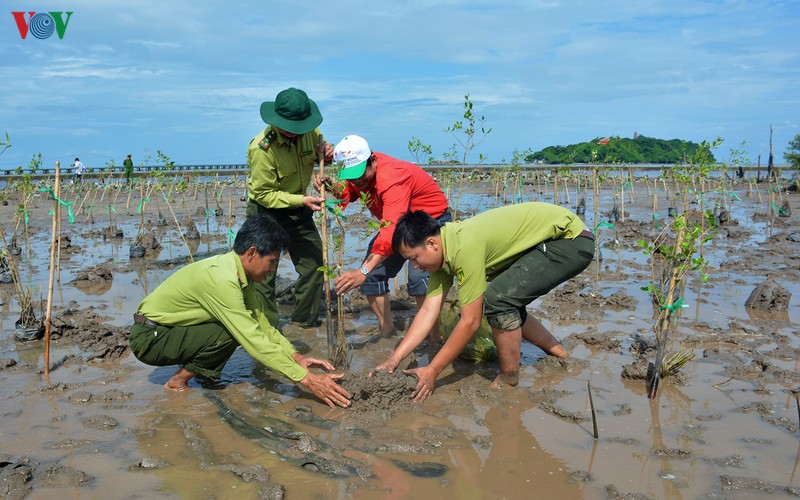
(734, 418)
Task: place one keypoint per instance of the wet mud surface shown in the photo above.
(725, 426)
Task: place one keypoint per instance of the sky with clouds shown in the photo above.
(188, 78)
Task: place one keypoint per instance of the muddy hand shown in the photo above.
(388, 365)
(322, 181)
(309, 362)
(326, 150)
(349, 280)
(313, 202)
(324, 387)
(426, 383)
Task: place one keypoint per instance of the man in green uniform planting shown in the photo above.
(198, 316)
(503, 259)
(281, 165)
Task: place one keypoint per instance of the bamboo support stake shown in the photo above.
(27, 234)
(555, 189)
(47, 324)
(538, 185)
(80, 207)
(630, 180)
(89, 212)
(326, 279)
(655, 205)
(58, 248)
(771, 204)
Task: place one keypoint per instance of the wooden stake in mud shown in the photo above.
(56, 213)
(326, 280)
(596, 201)
(594, 414)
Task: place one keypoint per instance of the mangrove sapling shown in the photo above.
(342, 355)
(141, 210)
(111, 212)
(207, 212)
(673, 253)
(338, 238)
(28, 322)
(177, 224)
(336, 339)
(466, 134)
(326, 276)
(420, 151)
(335, 240)
(596, 202)
(89, 207)
(26, 197)
(83, 201)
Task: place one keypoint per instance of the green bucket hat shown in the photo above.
(292, 111)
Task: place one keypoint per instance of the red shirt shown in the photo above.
(398, 187)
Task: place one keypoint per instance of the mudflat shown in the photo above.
(726, 426)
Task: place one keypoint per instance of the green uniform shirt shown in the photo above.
(217, 290)
(280, 171)
(478, 249)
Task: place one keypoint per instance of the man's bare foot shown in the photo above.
(387, 334)
(180, 381)
(505, 379)
(558, 351)
(170, 385)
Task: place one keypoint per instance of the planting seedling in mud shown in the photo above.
(281, 163)
(392, 187)
(524, 250)
(676, 251)
(202, 313)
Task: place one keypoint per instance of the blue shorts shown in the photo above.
(377, 282)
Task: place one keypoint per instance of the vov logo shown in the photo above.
(42, 24)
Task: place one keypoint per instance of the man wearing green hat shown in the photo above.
(281, 164)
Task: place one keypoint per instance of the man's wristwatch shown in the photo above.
(363, 270)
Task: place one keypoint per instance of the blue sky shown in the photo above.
(188, 77)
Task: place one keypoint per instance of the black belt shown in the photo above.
(142, 320)
(587, 234)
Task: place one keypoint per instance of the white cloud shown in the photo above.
(542, 72)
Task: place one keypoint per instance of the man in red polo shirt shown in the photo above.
(393, 187)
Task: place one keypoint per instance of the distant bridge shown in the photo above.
(119, 171)
(241, 168)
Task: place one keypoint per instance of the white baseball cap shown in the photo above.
(353, 151)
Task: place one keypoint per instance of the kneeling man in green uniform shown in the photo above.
(503, 259)
(199, 316)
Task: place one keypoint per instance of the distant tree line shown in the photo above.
(641, 149)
